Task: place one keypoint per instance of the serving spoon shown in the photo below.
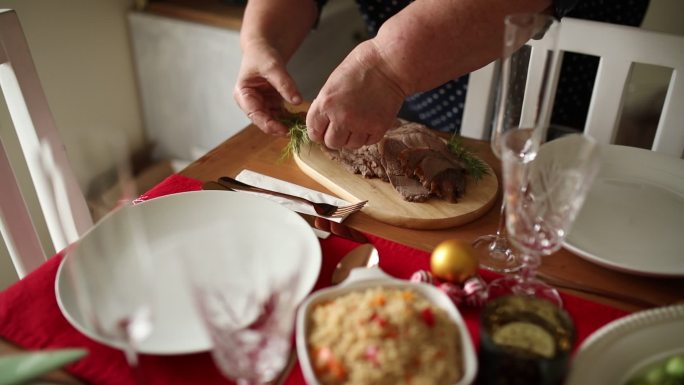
(365, 255)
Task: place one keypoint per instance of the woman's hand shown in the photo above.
(263, 84)
(358, 103)
(271, 32)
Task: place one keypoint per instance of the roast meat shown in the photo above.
(413, 159)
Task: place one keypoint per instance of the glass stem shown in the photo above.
(130, 351)
(531, 262)
(242, 381)
(134, 363)
(502, 221)
(131, 356)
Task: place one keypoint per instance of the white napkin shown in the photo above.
(265, 181)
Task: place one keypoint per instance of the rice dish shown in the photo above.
(383, 336)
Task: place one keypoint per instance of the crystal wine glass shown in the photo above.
(247, 304)
(109, 269)
(513, 111)
(544, 188)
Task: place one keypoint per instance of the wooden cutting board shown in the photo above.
(386, 205)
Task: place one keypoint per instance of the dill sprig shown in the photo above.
(475, 166)
(298, 137)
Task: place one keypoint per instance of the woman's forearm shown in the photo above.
(432, 41)
(282, 24)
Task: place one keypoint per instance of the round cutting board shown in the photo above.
(386, 205)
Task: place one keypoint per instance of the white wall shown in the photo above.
(665, 16)
(82, 54)
(187, 72)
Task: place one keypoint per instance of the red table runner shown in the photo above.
(30, 317)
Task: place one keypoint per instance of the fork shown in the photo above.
(322, 209)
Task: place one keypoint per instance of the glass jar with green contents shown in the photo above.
(524, 340)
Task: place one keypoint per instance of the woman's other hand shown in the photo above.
(263, 85)
(271, 32)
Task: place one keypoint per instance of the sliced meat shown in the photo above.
(440, 173)
(415, 135)
(413, 158)
(409, 188)
(406, 185)
(365, 161)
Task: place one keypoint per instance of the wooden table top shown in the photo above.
(254, 150)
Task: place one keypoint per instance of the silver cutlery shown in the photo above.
(365, 255)
(324, 209)
(319, 223)
(339, 229)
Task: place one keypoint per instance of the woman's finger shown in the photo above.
(285, 85)
(267, 123)
(356, 140)
(316, 124)
(374, 137)
(336, 137)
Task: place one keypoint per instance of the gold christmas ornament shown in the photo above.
(453, 260)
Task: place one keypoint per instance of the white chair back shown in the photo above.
(618, 48)
(38, 137)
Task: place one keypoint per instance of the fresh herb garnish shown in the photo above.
(475, 166)
(296, 123)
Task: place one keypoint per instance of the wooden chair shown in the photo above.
(618, 48)
(43, 158)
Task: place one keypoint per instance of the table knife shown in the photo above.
(319, 223)
(335, 228)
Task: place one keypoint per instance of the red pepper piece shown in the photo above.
(428, 317)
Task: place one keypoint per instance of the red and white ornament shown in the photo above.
(453, 291)
(475, 291)
(423, 276)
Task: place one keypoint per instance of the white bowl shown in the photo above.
(364, 278)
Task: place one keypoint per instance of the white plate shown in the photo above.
(364, 278)
(633, 217)
(177, 326)
(614, 353)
